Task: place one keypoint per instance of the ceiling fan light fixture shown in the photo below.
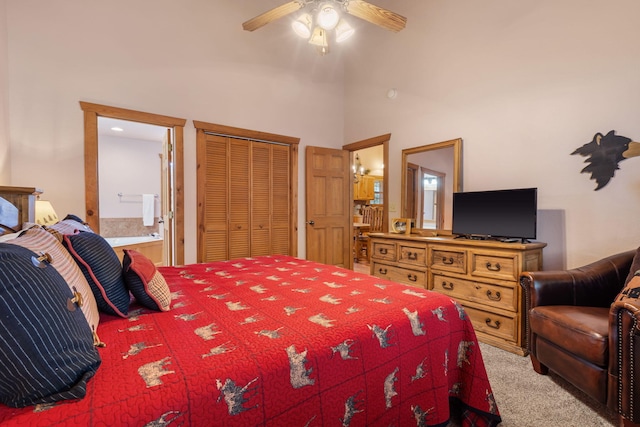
(343, 31)
(302, 25)
(319, 39)
(328, 17)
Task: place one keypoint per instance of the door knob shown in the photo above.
(311, 222)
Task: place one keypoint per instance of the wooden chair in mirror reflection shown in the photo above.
(372, 215)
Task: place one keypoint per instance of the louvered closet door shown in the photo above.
(214, 183)
(281, 200)
(239, 198)
(260, 199)
(248, 199)
(270, 199)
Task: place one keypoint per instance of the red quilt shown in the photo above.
(281, 341)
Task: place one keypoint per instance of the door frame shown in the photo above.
(233, 132)
(91, 183)
(373, 142)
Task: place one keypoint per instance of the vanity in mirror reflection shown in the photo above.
(431, 174)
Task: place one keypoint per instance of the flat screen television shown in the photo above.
(501, 214)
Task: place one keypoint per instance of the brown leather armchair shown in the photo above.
(574, 330)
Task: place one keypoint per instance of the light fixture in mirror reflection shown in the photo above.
(45, 214)
(358, 169)
(431, 174)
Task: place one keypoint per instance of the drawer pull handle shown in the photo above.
(491, 296)
(447, 286)
(383, 251)
(496, 324)
(382, 270)
(447, 261)
(412, 277)
(412, 256)
(490, 267)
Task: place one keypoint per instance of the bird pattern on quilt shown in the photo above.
(282, 341)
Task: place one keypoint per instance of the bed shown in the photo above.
(264, 341)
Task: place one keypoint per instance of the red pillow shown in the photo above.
(145, 282)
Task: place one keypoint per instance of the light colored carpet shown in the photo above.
(527, 399)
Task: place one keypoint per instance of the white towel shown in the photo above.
(148, 209)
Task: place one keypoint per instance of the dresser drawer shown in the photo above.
(412, 255)
(383, 250)
(401, 275)
(449, 260)
(490, 295)
(498, 325)
(495, 266)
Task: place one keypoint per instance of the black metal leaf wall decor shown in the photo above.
(604, 153)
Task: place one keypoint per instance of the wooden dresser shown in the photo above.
(482, 275)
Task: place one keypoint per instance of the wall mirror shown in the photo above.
(431, 174)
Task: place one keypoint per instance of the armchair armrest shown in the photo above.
(624, 364)
(594, 285)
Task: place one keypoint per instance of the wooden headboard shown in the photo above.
(17, 206)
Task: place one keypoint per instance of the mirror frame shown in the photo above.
(456, 144)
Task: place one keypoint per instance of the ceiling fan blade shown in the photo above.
(376, 15)
(271, 15)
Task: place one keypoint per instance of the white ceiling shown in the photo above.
(132, 130)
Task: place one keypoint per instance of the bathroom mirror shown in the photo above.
(430, 175)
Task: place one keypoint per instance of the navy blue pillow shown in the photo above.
(46, 345)
(102, 269)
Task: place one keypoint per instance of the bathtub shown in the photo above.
(149, 246)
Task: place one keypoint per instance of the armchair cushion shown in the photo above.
(584, 331)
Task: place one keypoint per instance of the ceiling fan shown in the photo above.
(325, 17)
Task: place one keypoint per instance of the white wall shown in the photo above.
(523, 84)
(182, 59)
(131, 167)
(5, 165)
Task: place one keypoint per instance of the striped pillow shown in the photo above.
(70, 225)
(145, 282)
(46, 350)
(102, 269)
(39, 240)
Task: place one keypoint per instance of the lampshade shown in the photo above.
(319, 39)
(343, 31)
(328, 17)
(302, 25)
(45, 214)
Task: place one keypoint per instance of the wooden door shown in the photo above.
(168, 210)
(281, 201)
(213, 199)
(245, 198)
(329, 223)
(239, 197)
(270, 199)
(247, 193)
(261, 199)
